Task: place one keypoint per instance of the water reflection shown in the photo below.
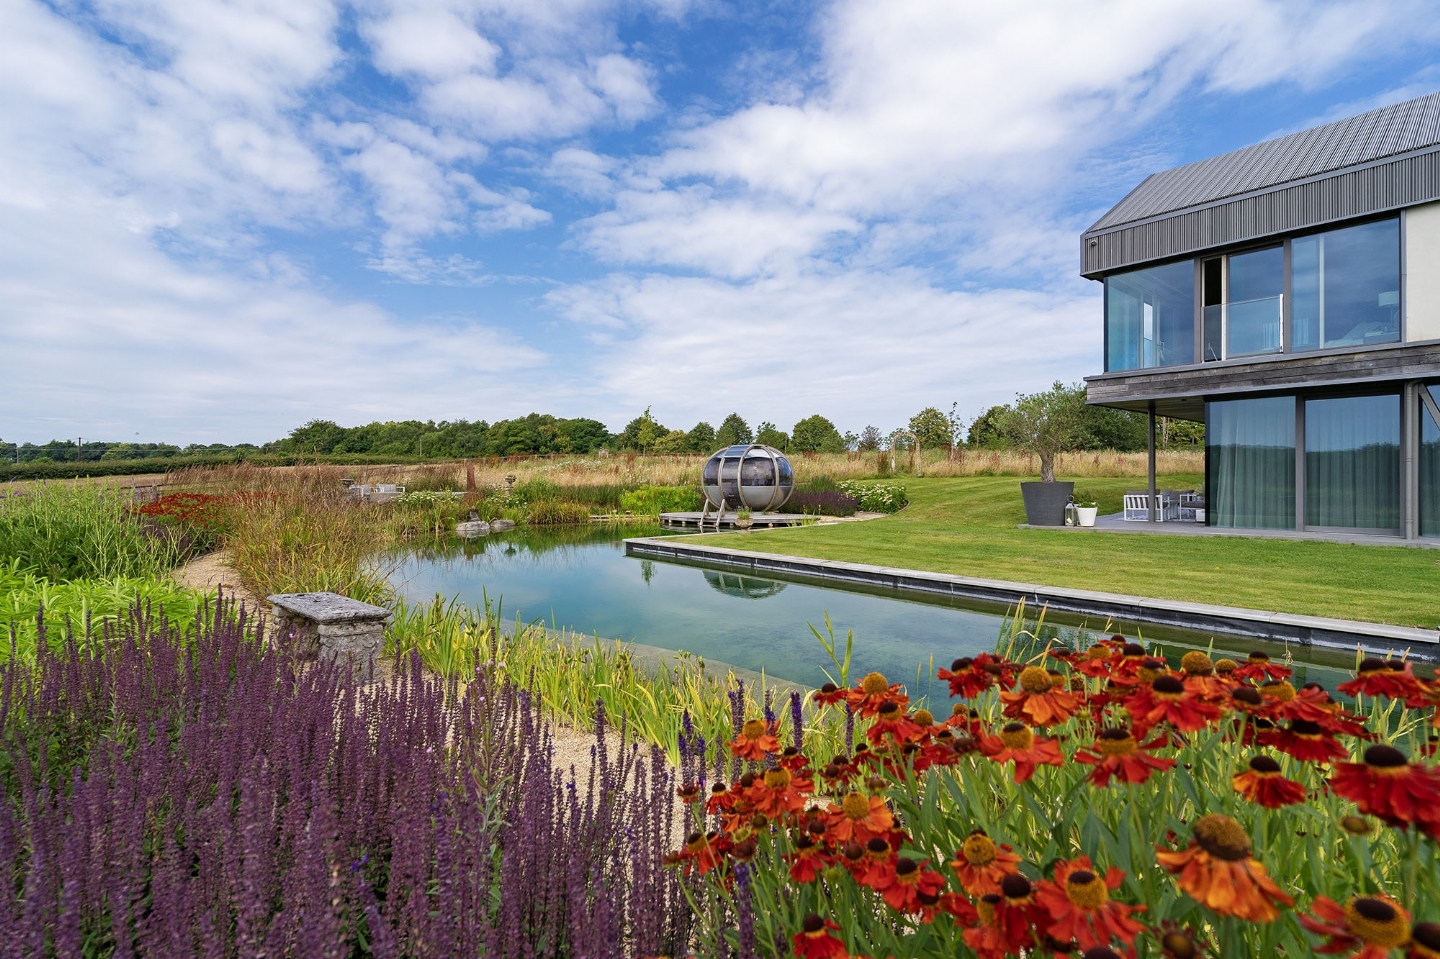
(746, 587)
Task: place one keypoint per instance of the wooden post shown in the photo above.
(1150, 449)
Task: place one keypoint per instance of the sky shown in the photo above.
(219, 220)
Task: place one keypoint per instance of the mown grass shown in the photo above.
(967, 526)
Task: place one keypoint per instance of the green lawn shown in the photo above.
(967, 526)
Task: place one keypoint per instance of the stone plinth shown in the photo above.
(328, 626)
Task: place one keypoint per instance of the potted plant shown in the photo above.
(743, 519)
(1086, 507)
(1045, 424)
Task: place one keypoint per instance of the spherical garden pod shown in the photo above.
(748, 476)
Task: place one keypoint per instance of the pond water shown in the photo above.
(580, 579)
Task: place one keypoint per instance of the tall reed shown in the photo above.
(68, 531)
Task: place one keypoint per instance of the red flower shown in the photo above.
(1388, 786)
(703, 852)
(1370, 927)
(1313, 703)
(1384, 677)
(829, 695)
(1259, 667)
(981, 864)
(1117, 755)
(1041, 700)
(1167, 700)
(1099, 660)
(815, 940)
(1007, 921)
(808, 860)
(1080, 907)
(908, 883)
(1017, 744)
(1305, 741)
(778, 793)
(1262, 783)
(872, 692)
(858, 817)
(1424, 941)
(892, 725)
(969, 677)
(755, 740)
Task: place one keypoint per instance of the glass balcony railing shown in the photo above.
(1243, 328)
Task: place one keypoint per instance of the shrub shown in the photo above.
(654, 500)
(877, 497)
(552, 512)
(827, 503)
(174, 798)
(70, 532)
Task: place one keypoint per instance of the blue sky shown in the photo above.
(219, 220)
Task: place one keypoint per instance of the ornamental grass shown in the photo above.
(175, 789)
(1093, 802)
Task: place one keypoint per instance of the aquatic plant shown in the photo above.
(206, 796)
(1094, 801)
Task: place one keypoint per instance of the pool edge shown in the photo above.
(1232, 620)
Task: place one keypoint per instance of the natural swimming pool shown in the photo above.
(580, 579)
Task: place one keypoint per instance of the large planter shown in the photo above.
(1045, 502)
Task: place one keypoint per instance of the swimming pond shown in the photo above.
(580, 579)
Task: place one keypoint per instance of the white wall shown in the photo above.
(1422, 272)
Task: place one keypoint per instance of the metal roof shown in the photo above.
(1378, 160)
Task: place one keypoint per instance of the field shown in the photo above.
(967, 526)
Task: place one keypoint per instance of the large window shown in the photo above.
(1430, 463)
(1150, 317)
(1345, 286)
(1352, 462)
(1253, 302)
(1250, 451)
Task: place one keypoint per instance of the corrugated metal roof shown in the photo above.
(1358, 140)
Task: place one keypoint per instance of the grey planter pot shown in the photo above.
(1045, 502)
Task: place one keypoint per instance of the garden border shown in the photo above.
(1205, 617)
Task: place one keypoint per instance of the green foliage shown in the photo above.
(869, 440)
(673, 443)
(654, 500)
(554, 512)
(536, 433)
(701, 438)
(985, 432)
(84, 530)
(640, 433)
(771, 435)
(733, 430)
(876, 497)
(933, 429)
(23, 595)
(816, 434)
(1046, 423)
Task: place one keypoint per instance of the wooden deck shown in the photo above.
(730, 521)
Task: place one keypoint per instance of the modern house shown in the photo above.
(1287, 295)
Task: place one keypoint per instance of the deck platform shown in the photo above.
(728, 521)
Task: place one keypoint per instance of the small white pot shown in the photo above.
(1086, 514)
(1200, 516)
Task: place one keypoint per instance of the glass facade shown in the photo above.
(1352, 462)
(1150, 317)
(1250, 456)
(1345, 287)
(1430, 467)
(1253, 308)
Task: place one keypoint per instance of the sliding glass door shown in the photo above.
(1352, 462)
(1430, 463)
(1250, 452)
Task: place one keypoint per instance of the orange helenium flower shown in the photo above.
(755, 740)
(872, 692)
(858, 817)
(1258, 666)
(1390, 787)
(1080, 907)
(1217, 870)
(908, 882)
(815, 940)
(1167, 700)
(1041, 700)
(1384, 677)
(1369, 927)
(1262, 783)
(1116, 755)
(1306, 741)
(981, 864)
(1016, 743)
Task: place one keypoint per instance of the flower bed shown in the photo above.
(876, 497)
(1096, 803)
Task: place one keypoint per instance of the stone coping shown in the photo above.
(1232, 620)
(328, 607)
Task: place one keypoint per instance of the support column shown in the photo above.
(1150, 449)
(1409, 463)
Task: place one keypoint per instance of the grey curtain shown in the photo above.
(1250, 447)
(1352, 462)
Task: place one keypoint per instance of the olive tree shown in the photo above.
(1046, 423)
